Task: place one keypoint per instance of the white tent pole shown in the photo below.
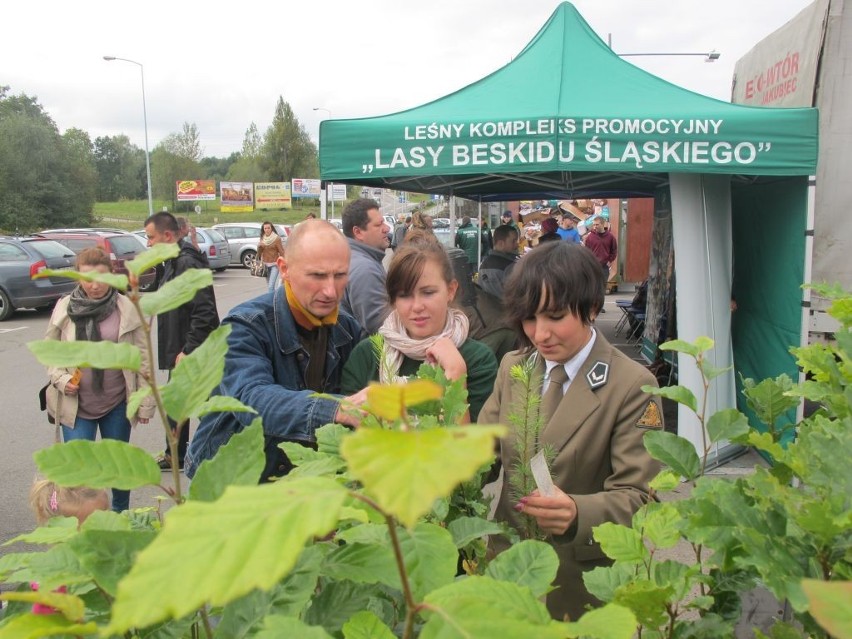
(807, 276)
(452, 219)
(479, 237)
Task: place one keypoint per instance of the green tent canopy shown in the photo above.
(566, 118)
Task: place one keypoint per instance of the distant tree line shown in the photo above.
(48, 179)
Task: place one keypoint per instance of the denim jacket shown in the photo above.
(265, 368)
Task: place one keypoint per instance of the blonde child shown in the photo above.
(49, 500)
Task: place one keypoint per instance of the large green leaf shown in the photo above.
(407, 471)
(242, 617)
(239, 462)
(728, 424)
(676, 452)
(680, 394)
(215, 552)
(465, 529)
(430, 557)
(30, 626)
(609, 622)
(116, 280)
(485, 607)
(277, 626)
(771, 398)
(52, 569)
(694, 349)
(329, 438)
(830, 605)
(529, 563)
(363, 563)
(109, 555)
(195, 376)
(661, 524)
(647, 600)
(176, 292)
(157, 254)
(604, 581)
(366, 625)
(70, 606)
(106, 355)
(620, 542)
(107, 463)
(337, 602)
(56, 530)
(135, 400)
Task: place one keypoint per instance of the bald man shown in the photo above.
(285, 346)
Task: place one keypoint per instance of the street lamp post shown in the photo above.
(331, 184)
(710, 56)
(110, 58)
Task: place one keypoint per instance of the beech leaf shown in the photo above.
(407, 471)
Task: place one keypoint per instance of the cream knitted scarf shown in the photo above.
(398, 345)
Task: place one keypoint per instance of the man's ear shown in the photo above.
(357, 232)
(281, 263)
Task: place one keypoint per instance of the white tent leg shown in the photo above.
(808, 278)
(701, 232)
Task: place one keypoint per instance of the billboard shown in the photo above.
(237, 196)
(190, 190)
(272, 195)
(305, 188)
(781, 70)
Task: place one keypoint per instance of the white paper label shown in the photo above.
(541, 474)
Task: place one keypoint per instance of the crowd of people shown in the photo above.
(297, 355)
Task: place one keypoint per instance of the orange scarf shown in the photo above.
(303, 316)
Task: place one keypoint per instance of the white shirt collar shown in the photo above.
(573, 365)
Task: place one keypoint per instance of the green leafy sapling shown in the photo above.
(527, 424)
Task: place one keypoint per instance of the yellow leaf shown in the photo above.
(389, 401)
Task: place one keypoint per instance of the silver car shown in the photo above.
(243, 238)
(214, 245)
(23, 258)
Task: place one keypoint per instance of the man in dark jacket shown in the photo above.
(496, 266)
(182, 330)
(467, 239)
(285, 348)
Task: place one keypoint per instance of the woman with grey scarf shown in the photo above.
(83, 401)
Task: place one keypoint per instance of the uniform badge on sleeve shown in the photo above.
(598, 375)
(651, 418)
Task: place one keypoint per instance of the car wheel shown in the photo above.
(153, 284)
(6, 308)
(248, 258)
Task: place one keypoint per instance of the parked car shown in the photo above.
(119, 245)
(215, 247)
(23, 258)
(243, 238)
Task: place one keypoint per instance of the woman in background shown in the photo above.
(423, 327)
(269, 249)
(86, 400)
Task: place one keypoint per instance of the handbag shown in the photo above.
(259, 269)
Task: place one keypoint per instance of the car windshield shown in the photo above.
(49, 248)
(124, 244)
(215, 235)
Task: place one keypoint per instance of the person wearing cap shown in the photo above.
(567, 231)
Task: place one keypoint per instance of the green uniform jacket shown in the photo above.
(362, 367)
(596, 433)
(467, 239)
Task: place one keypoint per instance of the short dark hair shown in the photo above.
(465, 220)
(356, 213)
(507, 214)
(502, 233)
(163, 221)
(408, 261)
(557, 277)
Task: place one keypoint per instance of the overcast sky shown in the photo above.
(222, 65)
